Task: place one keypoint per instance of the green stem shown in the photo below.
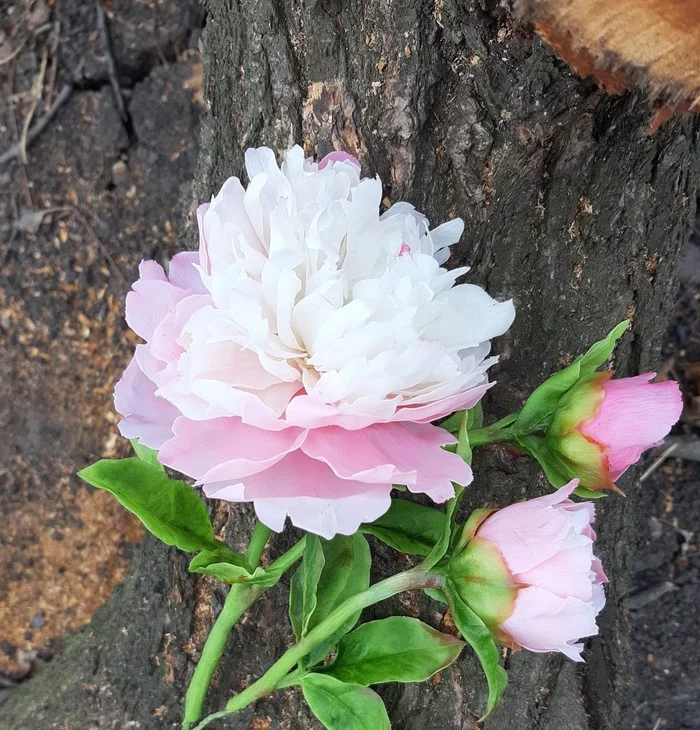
(293, 678)
(258, 540)
(490, 435)
(279, 671)
(238, 600)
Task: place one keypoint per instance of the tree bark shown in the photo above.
(570, 209)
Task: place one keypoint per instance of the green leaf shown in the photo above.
(543, 402)
(170, 509)
(145, 454)
(556, 471)
(231, 567)
(437, 594)
(463, 448)
(394, 649)
(443, 544)
(477, 634)
(540, 406)
(475, 416)
(341, 706)
(603, 349)
(302, 590)
(475, 419)
(451, 424)
(345, 573)
(408, 527)
(222, 563)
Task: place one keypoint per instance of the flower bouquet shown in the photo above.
(315, 358)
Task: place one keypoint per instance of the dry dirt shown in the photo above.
(100, 190)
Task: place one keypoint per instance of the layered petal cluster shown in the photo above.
(547, 546)
(298, 358)
(529, 572)
(603, 425)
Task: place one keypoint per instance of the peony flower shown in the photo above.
(529, 572)
(298, 359)
(602, 426)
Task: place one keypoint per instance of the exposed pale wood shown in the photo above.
(648, 44)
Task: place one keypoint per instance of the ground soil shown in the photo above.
(106, 185)
(99, 192)
(664, 619)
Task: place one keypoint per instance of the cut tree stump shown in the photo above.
(570, 208)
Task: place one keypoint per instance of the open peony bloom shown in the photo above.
(297, 360)
(602, 426)
(529, 572)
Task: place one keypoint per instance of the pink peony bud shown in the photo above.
(529, 572)
(602, 426)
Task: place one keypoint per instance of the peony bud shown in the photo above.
(528, 571)
(602, 426)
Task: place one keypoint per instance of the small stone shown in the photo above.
(38, 621)
(120, 172)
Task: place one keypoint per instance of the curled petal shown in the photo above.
(531, 532)
(183, 272)
(310, 494)
(146, 416)
(338, 156)
(543, 621)
(151, 298)
(225, 449)
(399, 453)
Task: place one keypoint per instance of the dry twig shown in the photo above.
(109, 61)
(38, 128)
(37, 86)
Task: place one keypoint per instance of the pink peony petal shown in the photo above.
(342, 516)
(399, 453)
(164, 342)
(315, 499)
(151, 271)
(566, 573)
(225, 449)
(145, 415)
(338, 156)
(150, 300)
(204, 261)
(544, 622)
(308, 411)
(531, 532)
(634, 416)
(443, 407)
(184, 274)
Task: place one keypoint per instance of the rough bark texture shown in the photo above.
(569, 208)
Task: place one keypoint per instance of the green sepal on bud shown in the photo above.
(480, 592)
(483, 582)
(580, 403)
(575, 455)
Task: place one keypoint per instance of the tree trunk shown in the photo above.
(569, 207)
